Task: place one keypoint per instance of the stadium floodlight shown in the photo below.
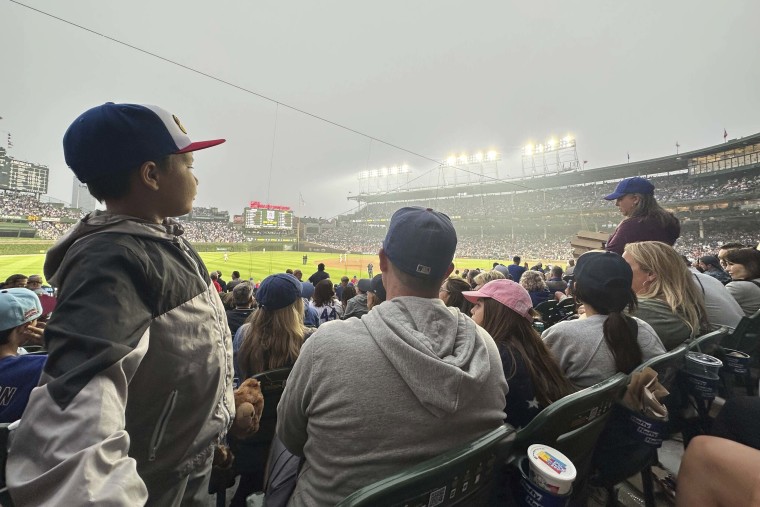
(479, 157)
(551, 143)
(528, 149)
(540, 148)
(384, 172)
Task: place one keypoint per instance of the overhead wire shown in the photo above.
(199, 72)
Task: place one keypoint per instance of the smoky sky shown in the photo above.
(434, 77)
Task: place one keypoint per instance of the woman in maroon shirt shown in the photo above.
(645, 220)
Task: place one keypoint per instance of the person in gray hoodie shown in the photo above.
(409, 380)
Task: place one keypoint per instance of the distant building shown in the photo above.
(81, 198)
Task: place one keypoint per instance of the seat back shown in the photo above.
(709, 343)
(546, 308)
(667, 366)
(572, 425)
(746, 336)
(630, 435)
(272, 386)
(462, 476)
(251, 453)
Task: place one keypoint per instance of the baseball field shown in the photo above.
(256, 265)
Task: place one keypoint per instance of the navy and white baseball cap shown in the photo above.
(112, 138)
(421, 242)
(18, 306)
(635, 185)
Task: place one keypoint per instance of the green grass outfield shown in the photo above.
(258, 265)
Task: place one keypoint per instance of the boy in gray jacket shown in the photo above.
(409, 380)
(137, 388)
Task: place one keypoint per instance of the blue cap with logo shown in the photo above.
(421, 242)
(18, 306)
(113, 138)
(278, 291)
(635, 185)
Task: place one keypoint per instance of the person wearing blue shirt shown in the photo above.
(515, 269)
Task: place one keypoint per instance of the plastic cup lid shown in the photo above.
(551, 463)
(703, 359)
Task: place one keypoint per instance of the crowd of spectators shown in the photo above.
(531, 245)
(22, 205)
(212, 232)
(356, 235)
(669, 189)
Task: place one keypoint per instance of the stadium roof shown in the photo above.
(654, 166)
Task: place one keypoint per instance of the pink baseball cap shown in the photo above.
(510, 294)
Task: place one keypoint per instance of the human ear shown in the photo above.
(383, 260)
(148, 175)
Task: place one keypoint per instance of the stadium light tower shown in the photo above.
(553, 156)
(478, 167)
(384, 179)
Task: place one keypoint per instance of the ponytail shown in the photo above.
(620, 335)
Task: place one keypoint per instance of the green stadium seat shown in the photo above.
(746, 338)
(572, 425)
(621, 436)
(709, 343)
(251, 454)
(463, 476)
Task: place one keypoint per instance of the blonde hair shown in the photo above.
(533, 281)
(273, 339)
(486, 276)
(672, 284)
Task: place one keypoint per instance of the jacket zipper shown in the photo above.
(160, 429)
(197, 267)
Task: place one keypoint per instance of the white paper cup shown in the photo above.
(550, 469)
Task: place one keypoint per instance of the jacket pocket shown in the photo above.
(163, 422)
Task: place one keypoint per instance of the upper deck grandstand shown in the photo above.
(715, 191)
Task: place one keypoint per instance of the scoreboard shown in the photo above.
(22, 176)
(267, 216)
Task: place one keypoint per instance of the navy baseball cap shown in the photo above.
(364, 284)
(605, 279)
(278, 291)
(635, 185)
(421, 242)
(377, 287)
(113, 138)
(307, 290)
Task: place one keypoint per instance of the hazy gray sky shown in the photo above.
(435, 77)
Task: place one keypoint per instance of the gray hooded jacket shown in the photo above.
(370, 397)
(137, 387)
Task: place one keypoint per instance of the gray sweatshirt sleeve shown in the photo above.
(293, 410)
(78, 455)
